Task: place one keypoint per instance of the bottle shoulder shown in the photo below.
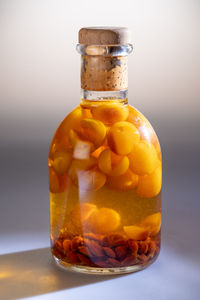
(147, 131)
(103, 115)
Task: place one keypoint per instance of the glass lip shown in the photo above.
(104, 50)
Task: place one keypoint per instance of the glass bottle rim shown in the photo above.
(104, 50)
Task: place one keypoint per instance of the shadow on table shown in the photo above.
(33, 272)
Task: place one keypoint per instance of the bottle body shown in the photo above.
(105, 189)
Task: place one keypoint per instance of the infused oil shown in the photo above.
(105, 168)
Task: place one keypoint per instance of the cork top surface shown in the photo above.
(104, 36)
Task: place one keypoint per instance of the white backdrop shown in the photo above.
(39, 85)
(39, 66)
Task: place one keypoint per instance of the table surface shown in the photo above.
(26, 267)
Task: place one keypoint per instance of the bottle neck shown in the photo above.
(92, 97)
(101, 73)
(104, 78)
(104, 72)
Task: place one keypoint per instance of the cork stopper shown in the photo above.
(100, 71)
(104, 36)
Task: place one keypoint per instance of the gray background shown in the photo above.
(39, 85)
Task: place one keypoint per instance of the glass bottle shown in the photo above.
(105, 168)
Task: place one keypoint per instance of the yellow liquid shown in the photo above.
(105, 182)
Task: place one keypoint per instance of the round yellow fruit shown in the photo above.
(136, 232)
(104, 220)
(122, 136)
(110, 113)
(153, 223)
(72, 121)
(125, 182)
(150, 185)
(93, 131)
(143, 158)
(62, 160)
(112, 164)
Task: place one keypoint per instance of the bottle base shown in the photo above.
(101, 271)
